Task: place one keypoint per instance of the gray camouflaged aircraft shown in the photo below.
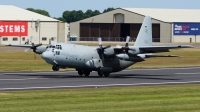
(108, 59)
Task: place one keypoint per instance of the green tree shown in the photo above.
(72, 16)
(96, 12)
(88, 13)
(66, 16)
(79, 15)
(60, 19)
(39, 11)
(108, 9)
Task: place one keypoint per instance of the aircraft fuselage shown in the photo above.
(78, 56)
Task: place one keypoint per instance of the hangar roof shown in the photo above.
(169, 15)
(13, 13)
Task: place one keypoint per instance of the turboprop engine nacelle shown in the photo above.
(109, 52)
(94, 63)
(134, 51)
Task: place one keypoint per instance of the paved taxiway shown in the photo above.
(70, 79)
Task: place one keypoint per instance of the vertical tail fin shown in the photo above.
(144, 37)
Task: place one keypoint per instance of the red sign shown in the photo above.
(13, 28)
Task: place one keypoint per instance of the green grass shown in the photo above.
(184, 98)
(21, 61)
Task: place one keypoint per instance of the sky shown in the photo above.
(57, 7)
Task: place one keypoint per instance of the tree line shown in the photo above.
(72, 16)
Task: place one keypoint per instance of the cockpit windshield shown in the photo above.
(51, 46)
(59, 47)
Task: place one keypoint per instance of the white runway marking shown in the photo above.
(34, 73)
(21, 79)
(106, 85)
(17, 73)
(161, 68)
(187, 73)
(57, 72)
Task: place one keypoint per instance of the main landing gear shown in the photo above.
(55, 68)
(86, 73)
(105, 74)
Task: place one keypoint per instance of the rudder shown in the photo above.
(144, 37)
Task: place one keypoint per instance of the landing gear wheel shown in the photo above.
(106, 74)
(86, 73)
(55, 68)
(80, 72)
(100, 73)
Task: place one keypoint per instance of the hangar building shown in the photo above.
(169, 25)
(17, 25)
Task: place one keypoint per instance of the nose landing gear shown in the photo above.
(55, 68)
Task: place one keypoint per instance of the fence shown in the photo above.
(113, 39)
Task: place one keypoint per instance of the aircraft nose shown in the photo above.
(47, 56)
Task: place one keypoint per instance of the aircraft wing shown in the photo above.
(16, 45)
(157, 55)
(151, 49)
(154, 49)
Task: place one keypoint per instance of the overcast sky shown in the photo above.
(57, 7)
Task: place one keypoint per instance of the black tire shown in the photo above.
(86, 73)
(106, 74)
(100, 73)
(80, 72)
(56, 68)
(53, 68)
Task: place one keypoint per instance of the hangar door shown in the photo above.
(114, 31)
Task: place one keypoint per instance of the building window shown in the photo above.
(23, 38)
(44, 38)
(15, 38)
(5, 38)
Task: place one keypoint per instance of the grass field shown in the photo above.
(179, 98)
(19, 60)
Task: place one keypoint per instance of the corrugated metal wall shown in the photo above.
(115, 30)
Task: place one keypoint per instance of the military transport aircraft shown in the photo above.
(106, 60)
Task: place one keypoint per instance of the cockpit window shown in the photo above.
(59, 47)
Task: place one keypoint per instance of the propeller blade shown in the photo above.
(127, 41)
(54, 40)
(107, 47)
(38, 45)
(101, 49)
(100, 42)
(26, 50)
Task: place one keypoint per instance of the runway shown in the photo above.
(71, 79)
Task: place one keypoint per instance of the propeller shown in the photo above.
(54, 40)
(101, 48)
(34, 47)
(126, 48)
